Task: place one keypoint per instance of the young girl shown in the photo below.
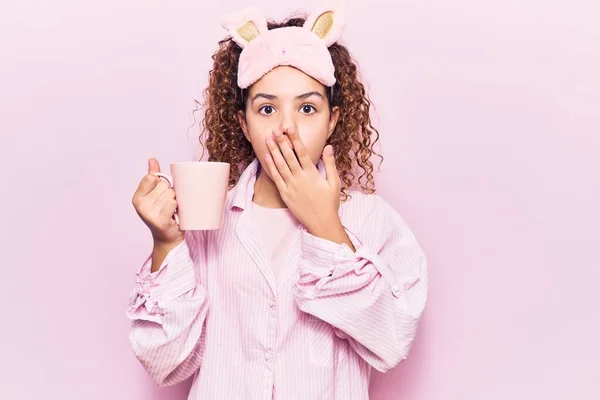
(310, 283)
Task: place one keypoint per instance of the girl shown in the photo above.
(310, 283)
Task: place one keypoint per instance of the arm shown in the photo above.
(373, 297)
(168, 309)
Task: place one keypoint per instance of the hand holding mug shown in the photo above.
(154, 201)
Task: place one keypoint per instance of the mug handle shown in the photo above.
(169, 180)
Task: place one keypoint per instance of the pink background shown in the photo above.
(489, 114)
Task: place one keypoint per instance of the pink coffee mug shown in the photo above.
(200, 190)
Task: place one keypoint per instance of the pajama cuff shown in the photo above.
(175, 277)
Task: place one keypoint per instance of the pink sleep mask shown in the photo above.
(305, 48)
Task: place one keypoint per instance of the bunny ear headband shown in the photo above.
(305, 48)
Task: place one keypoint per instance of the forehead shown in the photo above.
(286, 80)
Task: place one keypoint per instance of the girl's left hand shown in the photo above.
(314, 201)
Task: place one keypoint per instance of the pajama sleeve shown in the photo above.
(167, 309)
(373, 297)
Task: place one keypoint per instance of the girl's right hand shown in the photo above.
(155, 203)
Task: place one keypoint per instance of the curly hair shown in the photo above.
(352, 140)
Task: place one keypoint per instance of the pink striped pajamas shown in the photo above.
(215, 309)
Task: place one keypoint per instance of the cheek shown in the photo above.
(258, 134)
(259, 146)
(314, 140)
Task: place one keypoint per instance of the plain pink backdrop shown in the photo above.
(489, 118)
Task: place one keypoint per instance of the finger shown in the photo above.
(146, 185)
(277, 158)
(166, 196)
(168, 209)
(149, 181)
(300, 149)
(330, 168)
(274, 173)
(285, 146)
(289, 142)
(158, 190)
(153, 166)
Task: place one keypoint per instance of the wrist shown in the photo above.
(334, 231)
(327, 228)
(160, 252)
(167, 245)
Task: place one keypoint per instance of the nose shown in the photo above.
(287, 122)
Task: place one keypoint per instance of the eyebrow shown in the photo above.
(273, 97)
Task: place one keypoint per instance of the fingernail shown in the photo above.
(276, 133)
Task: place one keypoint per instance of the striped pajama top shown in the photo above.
(215, 311)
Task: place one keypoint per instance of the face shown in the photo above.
(287, 98)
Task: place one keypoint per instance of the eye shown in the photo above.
(308, 109)
(266, 109)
